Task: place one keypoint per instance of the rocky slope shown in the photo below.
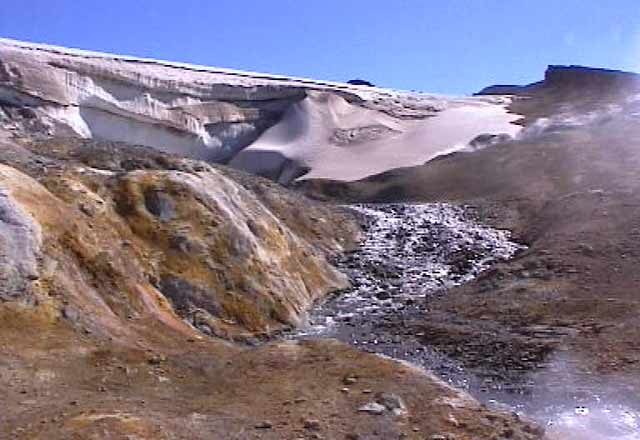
(558, 322)
(162, 226)
(143, 285)
(134, 281)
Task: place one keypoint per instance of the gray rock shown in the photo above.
(487, 140)
(368, 133)
(391, 402)
(20, 241)
(160, 204)
(185, 296)
(373, 408)
(70, 313)
(349, 380)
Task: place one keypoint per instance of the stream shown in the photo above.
(414, 252)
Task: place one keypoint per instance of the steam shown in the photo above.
(577, 404)
(567, 119)
(600, 422)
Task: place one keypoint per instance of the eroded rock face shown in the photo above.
(222, 251)
(20, 242)
(201, 246)
(148, 265)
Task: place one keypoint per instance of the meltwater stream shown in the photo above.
(410, 253)
(415, 251)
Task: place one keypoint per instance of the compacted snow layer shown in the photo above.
(281, 127)
(333, 139)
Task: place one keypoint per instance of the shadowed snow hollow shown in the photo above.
(324, 136)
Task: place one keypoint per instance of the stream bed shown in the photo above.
(414, 252)
(410, 253)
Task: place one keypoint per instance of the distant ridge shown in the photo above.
(501, 89)
(570, 75)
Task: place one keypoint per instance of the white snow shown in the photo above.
(213, 113)
(306, 134)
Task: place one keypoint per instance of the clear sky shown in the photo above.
(455, 46)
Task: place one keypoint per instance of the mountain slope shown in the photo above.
(568, 187)
(143, 284)
(134, 283)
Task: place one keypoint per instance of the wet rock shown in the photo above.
(410, 253)
(372, 408)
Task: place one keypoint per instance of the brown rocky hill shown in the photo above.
(568, 187)
(138, 291)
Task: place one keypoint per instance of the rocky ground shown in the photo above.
(110, 326)
(411, 254)
(574, 203)
(411, 258)
(561, 316)
(146, 295)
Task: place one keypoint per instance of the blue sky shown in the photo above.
(455, 46)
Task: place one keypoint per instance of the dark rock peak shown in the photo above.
(588, 76)
(571, 75)
(554, 71)
(500, 89)
(360, 82)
